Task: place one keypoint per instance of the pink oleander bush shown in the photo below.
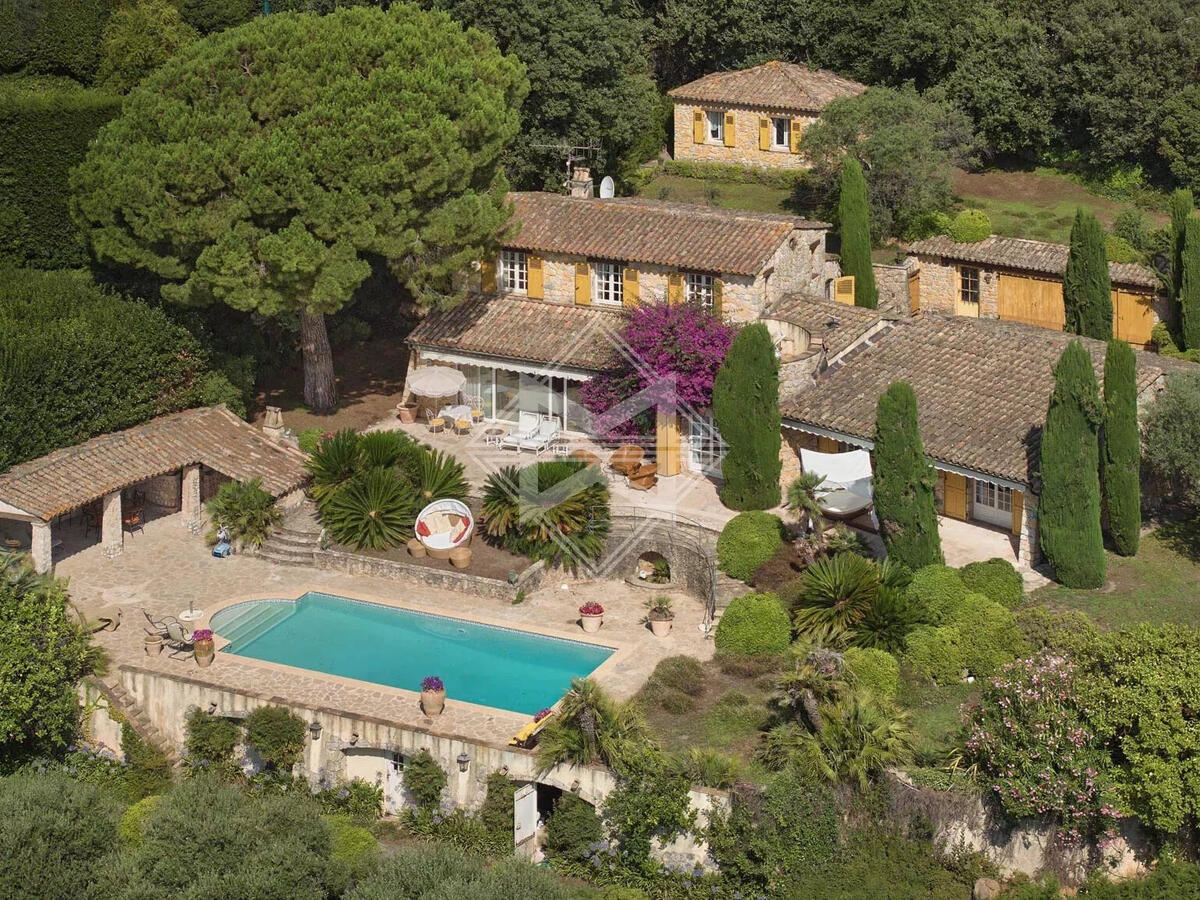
(670, 352)
(1032, 741)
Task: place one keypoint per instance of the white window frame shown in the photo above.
(607, 288)
(699, 288)
(512, 271)
(786, 143)
(714, 126)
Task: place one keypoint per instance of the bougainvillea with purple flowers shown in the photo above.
(672, 354)
(1033, 743)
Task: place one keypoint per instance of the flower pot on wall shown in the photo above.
(433, 702)
(205, 651)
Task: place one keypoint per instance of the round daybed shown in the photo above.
(444, 525)
(843, 504)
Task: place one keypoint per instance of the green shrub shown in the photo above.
(647, 805)
(277, 735)
(754, 625)
(1119, 250)
(936, 651)
(60, 38)
(45, 127)
(997, 579)
(680, 673)
(876, 670)
(990, 635)
(209, 740)
(970, 226)
(686, 168)
(88, 362)
(148, 771)
(133, 822)
(246, 510)
(497, 811)
(375, 510)
(351, 846)
(417, 871)
(54, 835)
(208, 16)
(747, 541)
(938, 591)
(424, 780)
(309, 439)
(357, 799)
(1044, 628)
(138, 39)
(573, 828)
(676, 702)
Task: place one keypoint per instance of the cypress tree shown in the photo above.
(1182, 204)
(904, 481)
(855, 230)
(1069, 511)
(746, 411)
(1122, 450)
(1189, 285)
(1087, 290)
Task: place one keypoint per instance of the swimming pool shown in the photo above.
(484, 664)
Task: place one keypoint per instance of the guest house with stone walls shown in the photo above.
(753, 117)
(1020, 280)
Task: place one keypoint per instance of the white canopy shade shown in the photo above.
(846, 489)
(435, 381)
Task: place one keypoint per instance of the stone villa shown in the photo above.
(753, 117)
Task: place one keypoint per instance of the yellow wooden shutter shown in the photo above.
(730, 131)
(698, 126)
(629, 287)
(718, 298)
(794, 134)
(487, 276)
(956, 495)
(1018, 511)
(843, 290)
(536, 285)
(674, 288)
(583, 284)
(827, 445)
(764, 134)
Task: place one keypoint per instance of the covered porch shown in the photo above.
(111, 486)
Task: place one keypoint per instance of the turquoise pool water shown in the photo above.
(482, 664)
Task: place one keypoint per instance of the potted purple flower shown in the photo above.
(433, 695)
(202, 647)
(591, 616)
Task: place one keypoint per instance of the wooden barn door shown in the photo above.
(1035, 301)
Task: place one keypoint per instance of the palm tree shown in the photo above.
(816, 680)
(592, 728)
(836, 592)
(333, 464)
(802, 500)
(862, 737)
(17, 573)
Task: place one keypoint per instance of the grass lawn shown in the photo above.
(936, 715)
(713, 192)
(1160, 584)
(1039, 205)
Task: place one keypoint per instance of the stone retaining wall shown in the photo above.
(452, 579)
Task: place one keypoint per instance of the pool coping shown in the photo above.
(620, 654)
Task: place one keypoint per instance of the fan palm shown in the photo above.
(887, 621)
(245, 509)
(816, 680)
(333, 464)
(802, 500)
(373, 511)
(836, 591)
(17, 573)
(861, 738)
(382, 449)
(592, 728)
(439, 476)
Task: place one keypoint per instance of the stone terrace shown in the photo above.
(164, 568)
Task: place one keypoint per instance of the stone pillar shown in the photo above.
(1028, 550)
(41, 549)
(111, 535)
(193, 511)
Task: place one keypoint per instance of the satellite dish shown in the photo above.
(607, 189)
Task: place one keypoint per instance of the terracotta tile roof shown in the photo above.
(775, 85)
(1029, 256)
(629, 229)
(982, 387)
(838, 325)
(578, 337)
(69, 478)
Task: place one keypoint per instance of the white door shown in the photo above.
(393, 785)
(525, 815)
(993, 504)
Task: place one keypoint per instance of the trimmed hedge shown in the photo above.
(45, 127)
(87, 362)
(936, 652)
(990, 636)
(56, 37)
(970, 226)
(997, 579)
(747, 541)
(754, 625)
(938, 592)
(876, 670)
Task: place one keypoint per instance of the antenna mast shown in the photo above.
(571, 153)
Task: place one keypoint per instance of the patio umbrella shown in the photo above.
(436, 381)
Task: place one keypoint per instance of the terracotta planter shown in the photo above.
(205, 651)
(433, 702)
(591, 624)
(661, 627)
(153, 644)
(407, 412)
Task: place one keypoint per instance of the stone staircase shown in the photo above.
(729, 589)
(296, 540)
(122, 701)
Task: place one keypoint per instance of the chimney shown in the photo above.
(580, 184)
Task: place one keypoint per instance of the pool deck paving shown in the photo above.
(163, 569)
